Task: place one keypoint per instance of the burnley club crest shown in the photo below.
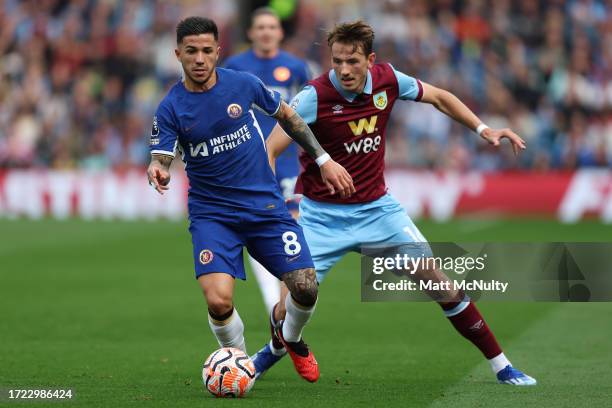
(380, 100)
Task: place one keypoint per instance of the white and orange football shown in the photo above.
(228, 372)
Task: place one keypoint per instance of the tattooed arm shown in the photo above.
(334, 175)
(159, 172)
(298, 130)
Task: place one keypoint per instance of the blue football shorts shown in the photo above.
(332, 230)
(274, 240)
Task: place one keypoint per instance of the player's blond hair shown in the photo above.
(354, 32)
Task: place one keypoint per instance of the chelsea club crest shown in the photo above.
(234, 111)
(380, 100)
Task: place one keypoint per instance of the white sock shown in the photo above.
(268, 283)
(499, 362)
(230, 332)
(296, 318)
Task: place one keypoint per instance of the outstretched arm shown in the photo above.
(334, 175)
(451, 106)
(159, 172)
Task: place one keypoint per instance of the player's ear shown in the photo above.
(371, 59)
(177, 52)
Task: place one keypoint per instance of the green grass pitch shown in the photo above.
(111, 310)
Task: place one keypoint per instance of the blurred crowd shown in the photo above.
(80, 79)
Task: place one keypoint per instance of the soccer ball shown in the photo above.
(228, 372)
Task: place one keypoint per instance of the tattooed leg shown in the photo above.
(300, 305)
(303, 286)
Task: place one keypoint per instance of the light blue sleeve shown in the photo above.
(305, 104)
(409, 88)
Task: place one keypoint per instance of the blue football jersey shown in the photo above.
(221, 143)
(285, 74)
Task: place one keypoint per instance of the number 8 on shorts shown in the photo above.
(292, 246)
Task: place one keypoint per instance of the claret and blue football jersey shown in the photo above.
(352, 129)
(221, 143)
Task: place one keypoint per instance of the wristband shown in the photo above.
(481, 128)
(322, 159)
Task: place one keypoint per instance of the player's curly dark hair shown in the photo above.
(196, 26)
(355, 32)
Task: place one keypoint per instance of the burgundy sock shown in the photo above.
(469, 322)
(275, 340)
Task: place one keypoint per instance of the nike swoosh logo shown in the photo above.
(293, 258)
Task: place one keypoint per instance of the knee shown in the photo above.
(452, 299)
(306, 296)
(219, 305)
(303, 286)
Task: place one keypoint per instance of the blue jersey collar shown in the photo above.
(350, 96)
(182, 82)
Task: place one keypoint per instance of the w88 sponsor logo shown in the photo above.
(365, 145)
